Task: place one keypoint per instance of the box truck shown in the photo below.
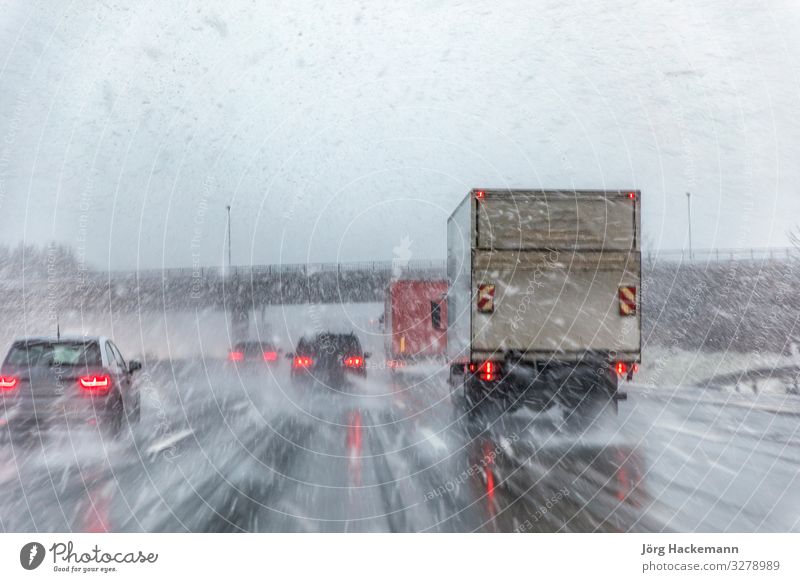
(544, 295)
(415, 321)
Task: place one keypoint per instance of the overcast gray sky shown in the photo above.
(337, 129)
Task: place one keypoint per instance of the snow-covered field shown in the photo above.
(677, 368)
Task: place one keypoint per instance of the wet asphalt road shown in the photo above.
(237, 452)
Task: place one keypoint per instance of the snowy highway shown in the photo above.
(259, 454)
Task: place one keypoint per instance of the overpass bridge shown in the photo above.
(713, 298)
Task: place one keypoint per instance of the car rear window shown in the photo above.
(254, 348)
(345, 344)
(47, 354)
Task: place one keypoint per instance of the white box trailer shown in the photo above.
(543, 281)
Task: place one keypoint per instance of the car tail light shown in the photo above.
(270, 356)
(480, 194)
(95, 383)
(621, 368)
(236, 356)
(354, 362)
(632, 195)
(8, 382)
(303, 362)
(487, 371)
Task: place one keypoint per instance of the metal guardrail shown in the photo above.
(439, 265)
(720, 255)
(245, 271)
(427, 267)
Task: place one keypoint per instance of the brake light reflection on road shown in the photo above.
(353, 444)
(488, 470)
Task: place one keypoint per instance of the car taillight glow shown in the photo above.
(270, 356)
(632, 195)
(8, 382)
(354, 362)
(95, 383)
(621, 368)
(303, 362)
(236, 356)
(480, 194)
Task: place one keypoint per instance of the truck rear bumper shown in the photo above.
(540, 385)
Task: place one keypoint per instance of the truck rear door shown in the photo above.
(557, 273)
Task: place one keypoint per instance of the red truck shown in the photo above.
(415, 321)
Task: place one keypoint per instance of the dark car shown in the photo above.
(67, 381)
(329, 358)
(254, 354)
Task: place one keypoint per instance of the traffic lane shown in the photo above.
(348, 462)
(403, 461)
(718, 464)
(60, 480)
(78, 478)
(320, 461)
(377, 467)
(337, 472)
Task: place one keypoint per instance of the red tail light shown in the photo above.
(270, 356)
(8, 382)
(236, 356)
(487, 371)
(354, 362)
(626, 369)
(95, 383)
(303, 362)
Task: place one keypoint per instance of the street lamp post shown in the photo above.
(229, 236)
(689, 206)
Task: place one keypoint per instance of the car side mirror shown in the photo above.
(367, 355)
(289, 356)
(134, 365)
